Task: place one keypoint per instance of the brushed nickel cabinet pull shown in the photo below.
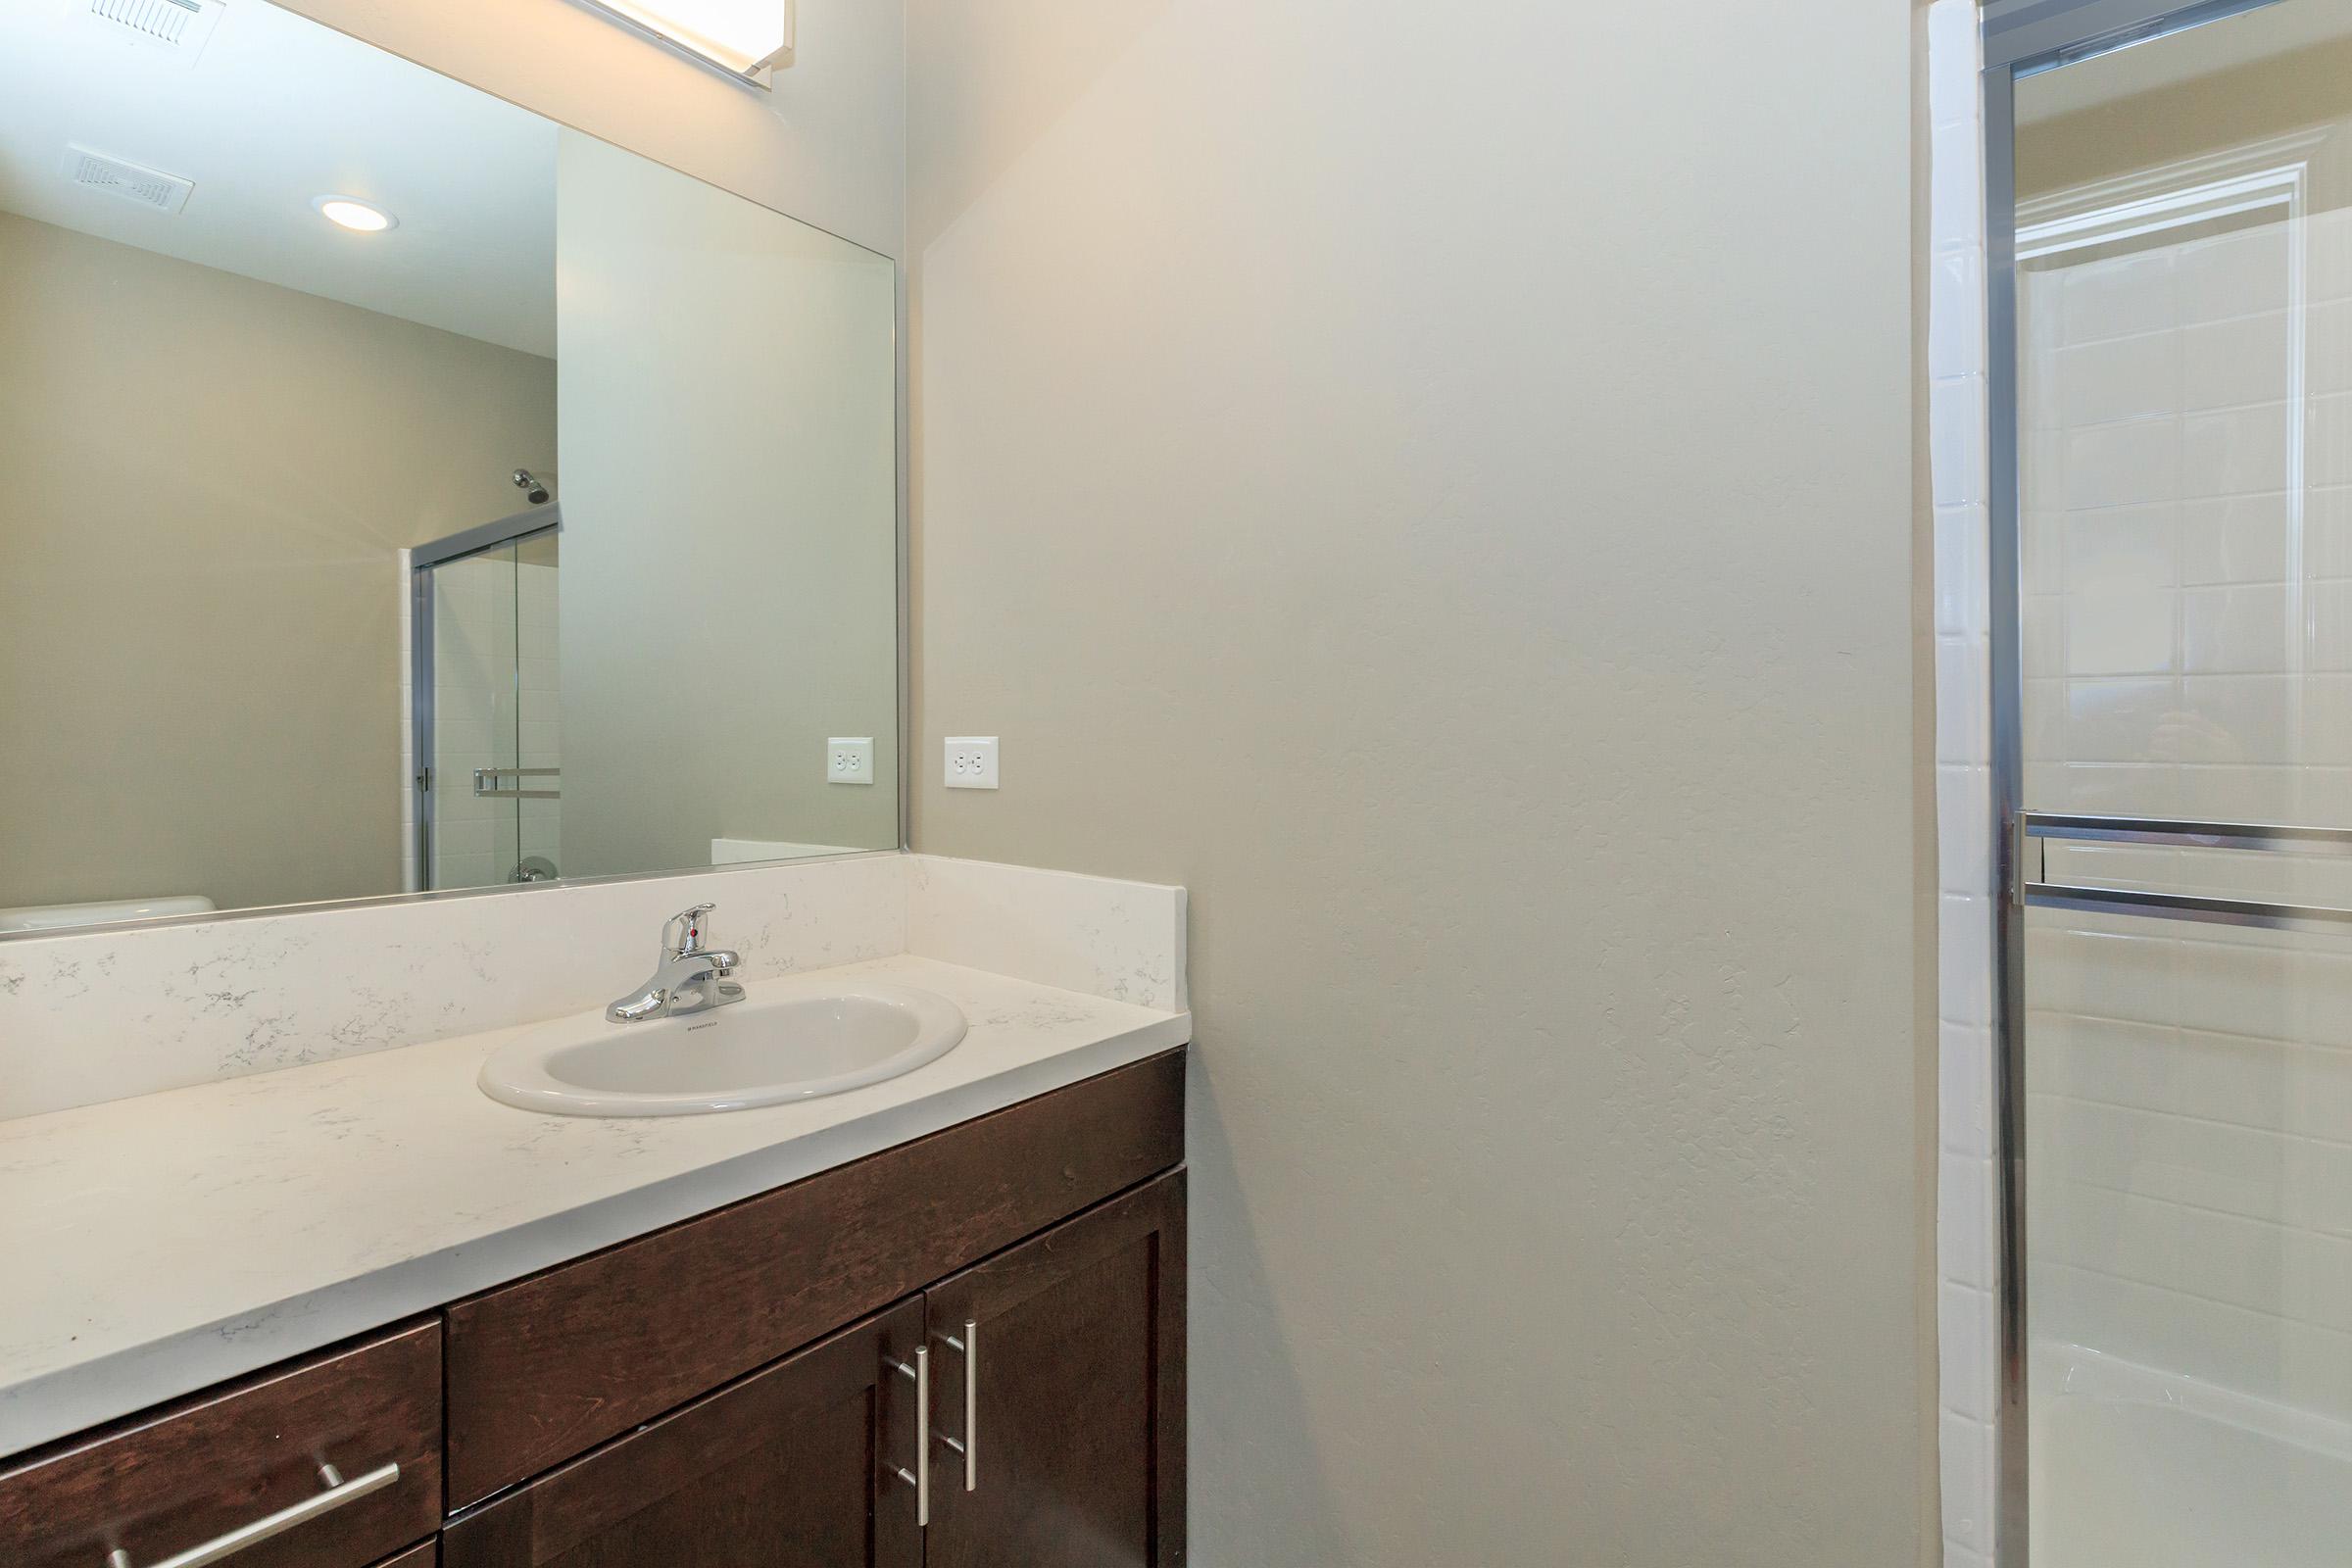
(969, 1348)
(921, 1480)
(338, 1493)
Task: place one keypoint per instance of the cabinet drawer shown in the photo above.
(544, 1369)
(795, 1466)
(175, 1478)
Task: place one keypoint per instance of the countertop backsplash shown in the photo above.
(101, 1014)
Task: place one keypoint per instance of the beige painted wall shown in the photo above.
(827, 145)
(730, 544)
(206, 479)
(1440, 487)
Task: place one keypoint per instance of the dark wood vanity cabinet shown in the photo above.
(541, 1369)
(1059, 1445)
(1063, 1362)
(1012, 1291)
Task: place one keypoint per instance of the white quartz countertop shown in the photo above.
(159, 1245)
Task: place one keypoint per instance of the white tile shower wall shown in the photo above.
(1966, 1254)
(102, 1014)
(2189, 588)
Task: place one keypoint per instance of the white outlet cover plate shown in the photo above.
(971, 762)
(850, 759)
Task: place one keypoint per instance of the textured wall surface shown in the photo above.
(1480, 569)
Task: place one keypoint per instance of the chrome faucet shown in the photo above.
(692, 978)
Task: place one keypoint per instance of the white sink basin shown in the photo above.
(787, 1040)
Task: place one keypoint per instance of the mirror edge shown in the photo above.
(377, 900)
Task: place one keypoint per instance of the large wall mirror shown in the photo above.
(402, 492)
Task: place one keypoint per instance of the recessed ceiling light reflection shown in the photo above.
(348, 211)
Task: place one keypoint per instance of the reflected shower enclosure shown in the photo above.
(484, 695)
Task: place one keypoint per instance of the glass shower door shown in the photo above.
(489, 780)
(473, 839)
(2183, 307)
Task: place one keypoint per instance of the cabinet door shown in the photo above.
(793, 1466)
(1068, 1391)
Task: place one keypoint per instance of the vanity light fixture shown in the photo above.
(348, 212)
(745, 39)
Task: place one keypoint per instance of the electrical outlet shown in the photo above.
(971, 762)
(850, 759)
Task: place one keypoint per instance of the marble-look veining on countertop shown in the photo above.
(168, 1242)
(97, 1014)
(1102, 936)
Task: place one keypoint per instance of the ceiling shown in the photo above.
(277, 110)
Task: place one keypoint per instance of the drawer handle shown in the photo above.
(920, 1481)
(338, 1493)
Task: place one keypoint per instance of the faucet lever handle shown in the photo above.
(682, 932)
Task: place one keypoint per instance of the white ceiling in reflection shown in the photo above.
(277, 110)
